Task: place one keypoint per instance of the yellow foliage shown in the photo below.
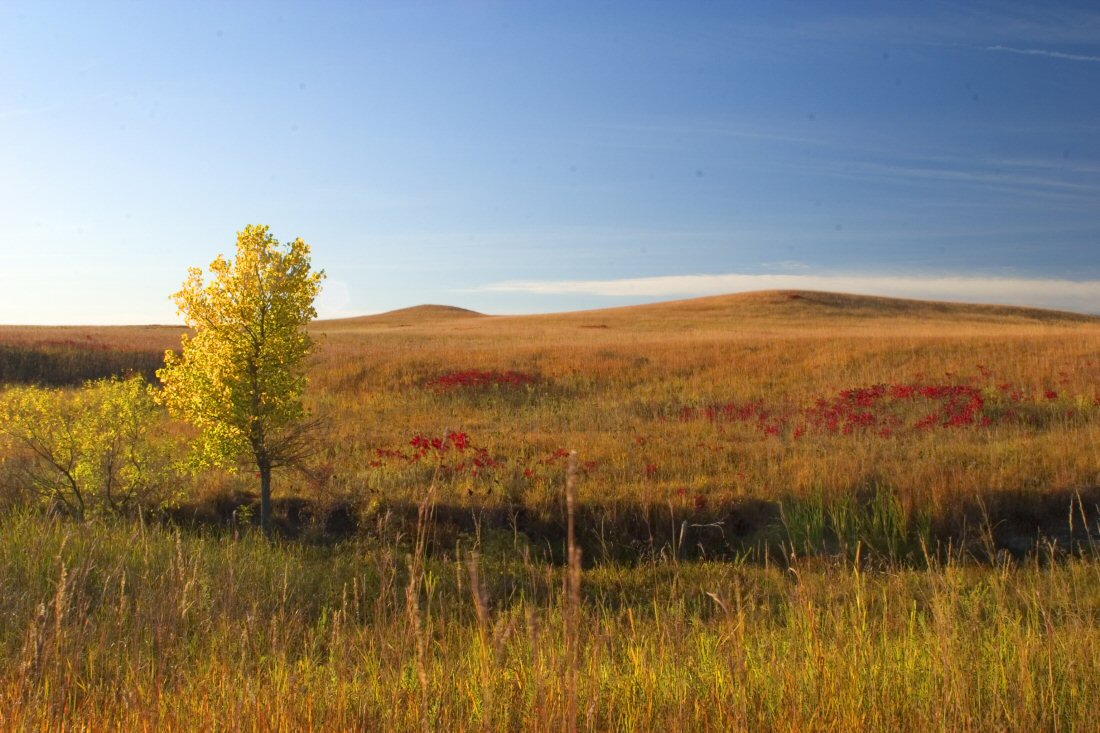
(91, 451)
(240, 376)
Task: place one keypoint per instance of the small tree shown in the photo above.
(87, 452)
(240, 376)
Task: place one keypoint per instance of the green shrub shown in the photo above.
(87, 452)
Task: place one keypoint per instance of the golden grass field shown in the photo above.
(703, 403)
(797, 511)
(630, 388)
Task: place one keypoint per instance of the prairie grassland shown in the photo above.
(890, 508)
(113, 627)
(699, 406)
(750, 410)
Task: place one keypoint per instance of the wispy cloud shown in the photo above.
(944, 22)
(1077, 295)
(785, 265)
(1064, 181)
(700, 130)
(1046, 53)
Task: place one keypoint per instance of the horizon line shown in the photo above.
(657, 299)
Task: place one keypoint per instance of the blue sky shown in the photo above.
(546, 156)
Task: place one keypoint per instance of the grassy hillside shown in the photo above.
(764, 412)
(796, 511)
(694, 408)
(418, 315)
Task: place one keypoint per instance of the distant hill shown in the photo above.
(760, 309)
(416, 315)
(804, 305)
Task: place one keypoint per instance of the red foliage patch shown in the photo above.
(454, 453)
(885, 410)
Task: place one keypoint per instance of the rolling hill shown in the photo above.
(783, 310)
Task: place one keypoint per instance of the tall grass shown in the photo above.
(618, 394)
(461, 602)
(125, 627)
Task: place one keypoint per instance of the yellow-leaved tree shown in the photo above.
(240, 377)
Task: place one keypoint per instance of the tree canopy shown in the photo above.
(240, 374)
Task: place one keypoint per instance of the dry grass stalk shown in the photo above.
(419, 621)
(572, 600)
(486, 658)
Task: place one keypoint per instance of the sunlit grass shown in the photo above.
(124, 626)
(615, 385)
(915, 579)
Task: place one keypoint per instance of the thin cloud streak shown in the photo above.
(1075, 295)
(1006, 181)
(1047, 54)
(711, 131)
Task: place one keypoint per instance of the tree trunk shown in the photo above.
(265, 496)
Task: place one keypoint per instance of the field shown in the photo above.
(794, 511)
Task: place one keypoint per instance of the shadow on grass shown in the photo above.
(63, 364)
(871, 526)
